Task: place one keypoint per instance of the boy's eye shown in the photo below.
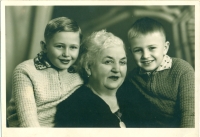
(151, 48)
(59, 46)
(136, 50)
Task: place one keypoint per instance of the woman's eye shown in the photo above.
(123, 62)
(73, 47)
(108, 61)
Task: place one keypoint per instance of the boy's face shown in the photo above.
(148, 50)
(63, 49)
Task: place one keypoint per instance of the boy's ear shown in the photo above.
(87, 69)
(43, 46)
(166, 47)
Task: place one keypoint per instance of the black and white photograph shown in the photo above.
(91, 68)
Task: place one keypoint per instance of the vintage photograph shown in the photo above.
(100, 66)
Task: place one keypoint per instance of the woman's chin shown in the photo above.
(113, 86)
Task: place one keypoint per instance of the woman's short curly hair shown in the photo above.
(91, 49)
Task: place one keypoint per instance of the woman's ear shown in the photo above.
(166, 47)
(43, 46)
(87, 69)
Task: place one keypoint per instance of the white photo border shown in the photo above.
(99, 132)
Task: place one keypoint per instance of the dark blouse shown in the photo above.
(85, 109)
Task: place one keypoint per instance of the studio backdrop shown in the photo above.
(25, 27)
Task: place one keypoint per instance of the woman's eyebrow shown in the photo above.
(123, 58)
(113, 58)
(75, 44)
(108, 57)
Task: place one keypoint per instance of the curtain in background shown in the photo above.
(178, 21)
(25, 27)
(24, 30)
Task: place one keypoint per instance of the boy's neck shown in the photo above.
(141, 71)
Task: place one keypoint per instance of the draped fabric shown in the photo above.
(178, 21)
(24, 28)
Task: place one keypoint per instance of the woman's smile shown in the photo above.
(114, 78)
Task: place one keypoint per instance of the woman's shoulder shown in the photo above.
(80, 96)
(75, 104)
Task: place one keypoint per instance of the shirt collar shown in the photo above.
(41, 61)
(166, 64)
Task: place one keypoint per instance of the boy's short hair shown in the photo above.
(61, 24)
(144, 26)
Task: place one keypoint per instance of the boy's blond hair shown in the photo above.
(144, 26)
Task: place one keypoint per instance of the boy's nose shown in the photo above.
(65, 52)
(145, 54)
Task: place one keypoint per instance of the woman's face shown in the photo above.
(109, 71)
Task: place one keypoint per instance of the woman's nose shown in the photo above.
(116, 67)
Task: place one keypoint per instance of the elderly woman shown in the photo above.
(102, 65)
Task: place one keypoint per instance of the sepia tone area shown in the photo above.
(25, 27)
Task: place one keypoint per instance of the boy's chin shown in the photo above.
(148, 69)
(61, 67)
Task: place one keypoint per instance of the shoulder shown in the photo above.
(77, 98)
(181, 65)
(76, 104)
(28, 64)
(133, 72)
(25, 67)
(28, 68)
(81, 92)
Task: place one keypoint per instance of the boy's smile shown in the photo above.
(148, 50)
(63, 49)
(65, 61)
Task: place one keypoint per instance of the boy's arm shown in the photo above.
(24, 99)
(186, 97)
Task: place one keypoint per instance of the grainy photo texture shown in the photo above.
(99, 66)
